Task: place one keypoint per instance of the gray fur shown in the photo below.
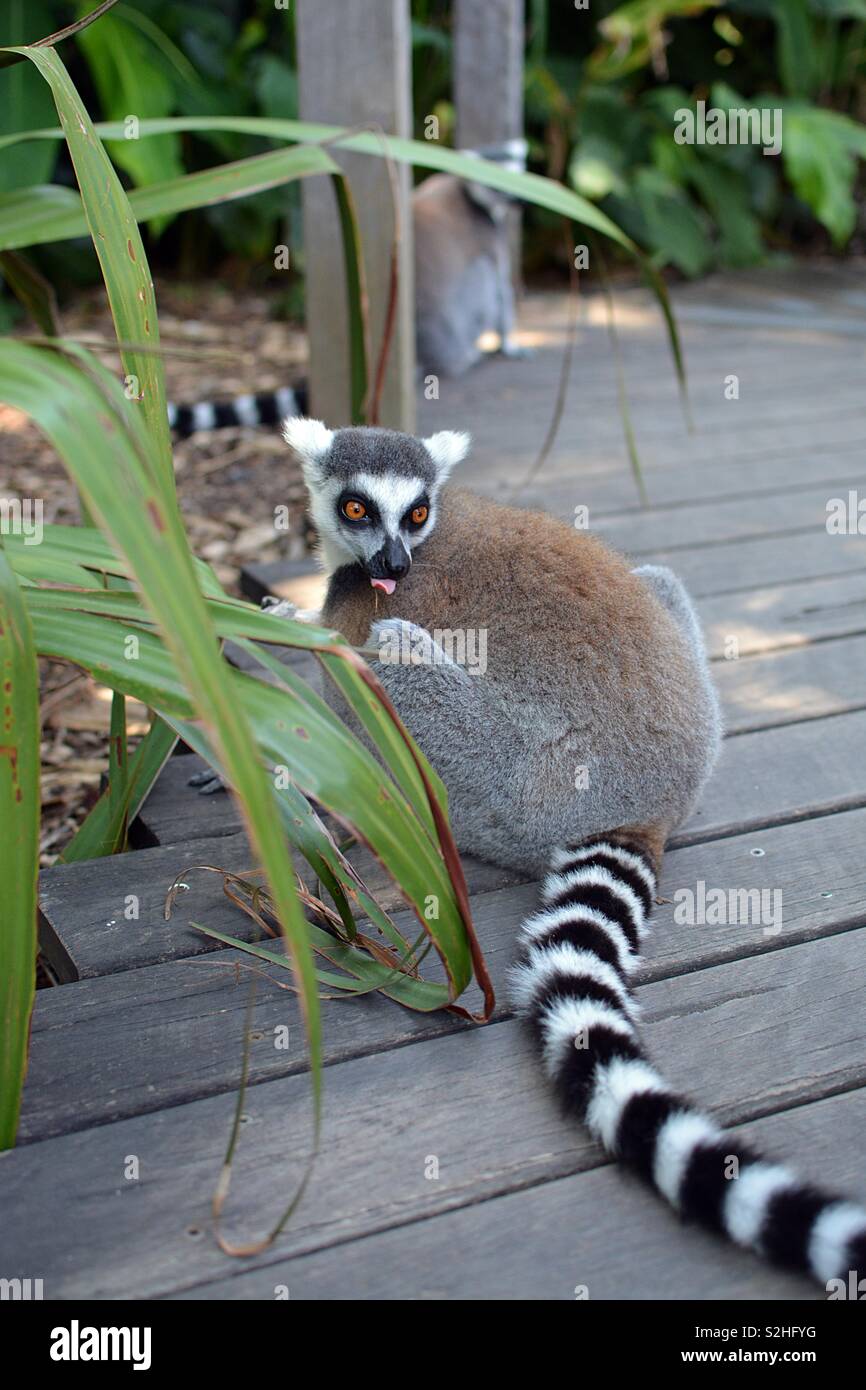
(671, 591)
(380, 452)
(463, 278)
(510, 767)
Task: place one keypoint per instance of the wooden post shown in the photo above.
(354, 69)
(488, 80)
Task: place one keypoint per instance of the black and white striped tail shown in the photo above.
(572, 982)
(264, 408)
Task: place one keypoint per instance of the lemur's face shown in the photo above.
(373, 492)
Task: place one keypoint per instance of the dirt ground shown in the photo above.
(229, 483)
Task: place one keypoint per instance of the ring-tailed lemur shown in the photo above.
(463, 289)
(582, 746)
(463, 284)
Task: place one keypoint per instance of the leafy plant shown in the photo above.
(607, 114)
(123, 598)
(147, 620)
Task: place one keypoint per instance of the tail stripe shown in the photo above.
(789, 1222)
(747, 1200)
(839, 1229)
(567, 1022)
(591, 849)
(546, 968)
(547, 925)
(707, 1178)
(677, 1140)
(641, 1122)
(597, 888)
(577, 954)
(577, 1079)
(621, 862)
(616, 1085)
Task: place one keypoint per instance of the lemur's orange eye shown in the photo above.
(354, 510)
(420, 515)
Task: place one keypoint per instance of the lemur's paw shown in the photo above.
(278, 607)
(515, 350)
(284, 608)
(207, 782)
(400, 643)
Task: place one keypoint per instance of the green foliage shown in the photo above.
(131, 76)
(19, 842)
(601, 89)
(821, 151)
(611, 104)
(25, 101)
(279, 746)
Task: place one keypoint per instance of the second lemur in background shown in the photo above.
(463, 284)
(463, 289)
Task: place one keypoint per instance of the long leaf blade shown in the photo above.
(19, 843)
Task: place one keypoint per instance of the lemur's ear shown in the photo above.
(447, 449)
(311, 441)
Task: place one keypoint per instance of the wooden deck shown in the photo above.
(137, 1056)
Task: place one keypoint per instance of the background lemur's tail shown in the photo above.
(572, 982)
(264, 408)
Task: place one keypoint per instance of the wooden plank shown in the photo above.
(663, 441)
(83, 928)
(739, 1034)
(755, 353)
(764, 778)
(174, 812)
(601, 1231)
(173, 1032)
(785, 687)
(805, 436)
(84, 932)
(354, 69)
(792, 419)
(784, 774)
(785, 615)
(600, 477)
(738, 318)
(838, 284)
(716, 523)
(763, 561)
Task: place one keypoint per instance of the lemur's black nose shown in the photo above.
(395, 558)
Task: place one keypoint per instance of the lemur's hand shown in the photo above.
(278, 607)
(401, 643)
(509, 348)
(284, 608)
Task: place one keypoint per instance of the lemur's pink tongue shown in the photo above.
(386, 585)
